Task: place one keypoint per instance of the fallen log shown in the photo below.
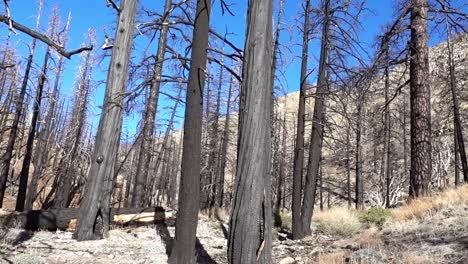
(62, 219)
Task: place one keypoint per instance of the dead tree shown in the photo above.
(67, 166)
(12, 138)
(45, 135)
(189, 191)
(150, 113)
(224, 148)
(300, 131)
(250, 223)
(316, 138)
(95, 204)
(24, 174)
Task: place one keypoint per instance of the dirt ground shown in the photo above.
(439, 238)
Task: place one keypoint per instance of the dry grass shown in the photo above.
(370, 238)
(416, 258)
(332, 258)
(421, 207)
(337, 221)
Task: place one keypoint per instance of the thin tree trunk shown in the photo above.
(386, 160)
(150, 115)
(298, 166)
(213, 168)
(96, 195)
(12, 138)
(24, 174)
(65, 174)
(316, 138)
(420, 97)
(189, 192)
(456, 113)
(250, 223)
(348, 164)
(224, 148)
(359, 179)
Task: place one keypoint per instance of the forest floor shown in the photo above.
(430, 231)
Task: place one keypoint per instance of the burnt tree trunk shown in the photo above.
(96, 195)
(420, 97)
(183, 251)
(150, 115)
(24, 174)
(224, 149)
(250, 223)
(316, 137)
(66, 169)
(12, 138)
(298, 165)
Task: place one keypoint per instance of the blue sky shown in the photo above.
(95, 14)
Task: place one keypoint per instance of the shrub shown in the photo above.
(338, 221)
(376, 216)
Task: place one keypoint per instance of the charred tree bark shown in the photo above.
(150, 115)
(24, 174)
(213, 165)
(224, 147)
(250, 223)
(298, 166)
(66, 169)
(189, 192)
(97, 196)
(316, 138)
(8, 155)
(420, 97)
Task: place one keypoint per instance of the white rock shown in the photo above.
(287, 260)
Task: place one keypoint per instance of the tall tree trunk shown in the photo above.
(12, 138)
(213, 168)
(348, 163)
(359, 180)
(24, 174)
(250, 223)
(97, 196)
(421, 157)
(150, 114)
(224, 148)
(316, 138)
(386, 159)
(281, 176)
(161, 152)
(456, 113)
(298, 166)
(189, 192)
(456, 156)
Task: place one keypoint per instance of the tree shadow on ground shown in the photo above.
(202, 254)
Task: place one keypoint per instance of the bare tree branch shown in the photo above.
(59, 48)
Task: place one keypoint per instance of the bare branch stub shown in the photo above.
(59, 48)
(110, 3)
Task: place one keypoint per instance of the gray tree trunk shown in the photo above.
(189, 191)
(316, 138)
(150, 115)
(298, 166)
(250, 223)
(96, 195)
